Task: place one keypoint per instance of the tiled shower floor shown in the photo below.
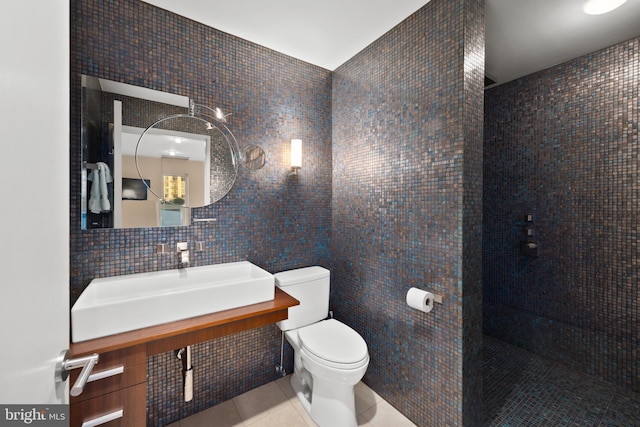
(521, 389)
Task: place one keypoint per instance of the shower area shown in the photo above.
(561, 236)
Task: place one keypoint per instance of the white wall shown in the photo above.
(34, 198)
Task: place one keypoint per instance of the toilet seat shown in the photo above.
(332, 343)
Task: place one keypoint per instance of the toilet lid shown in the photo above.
(333, 341)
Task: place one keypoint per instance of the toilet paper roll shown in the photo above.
(420, 300)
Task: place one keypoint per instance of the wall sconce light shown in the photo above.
(296, 156)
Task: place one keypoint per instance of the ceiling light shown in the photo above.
(599, 7)
(178, 140)
(172, 153)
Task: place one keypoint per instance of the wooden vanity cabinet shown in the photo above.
(119, 393)
(122, 393)
(122, 408)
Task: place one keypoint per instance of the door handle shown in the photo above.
(64, 365)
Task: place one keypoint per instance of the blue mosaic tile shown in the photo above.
(273, 220)
(522, 389)
(562, 144)
(403, 145)
(395, 202)
(624, 410)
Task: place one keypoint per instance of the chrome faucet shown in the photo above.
(183, 250)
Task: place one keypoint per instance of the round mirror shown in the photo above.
(186, 161)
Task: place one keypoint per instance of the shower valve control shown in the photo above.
(529, 246)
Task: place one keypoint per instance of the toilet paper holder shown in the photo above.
(422, 300)
(437, 298)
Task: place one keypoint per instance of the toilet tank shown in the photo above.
(310, 286)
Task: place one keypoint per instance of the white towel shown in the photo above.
(99, 197)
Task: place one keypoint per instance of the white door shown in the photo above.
(34, 199)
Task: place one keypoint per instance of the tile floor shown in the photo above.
(275, 405)
(521, 389)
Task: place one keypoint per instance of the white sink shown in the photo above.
(112, 305)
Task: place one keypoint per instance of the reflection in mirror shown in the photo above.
(115, 114)
(175, 148)
(172, 166)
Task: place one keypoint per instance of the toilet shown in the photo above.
(330, 358)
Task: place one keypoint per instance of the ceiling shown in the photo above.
(522, 36)
(323, 32)
(179, 145)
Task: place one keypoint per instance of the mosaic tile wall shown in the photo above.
(407, 158)
(273, 220)
(562, 144)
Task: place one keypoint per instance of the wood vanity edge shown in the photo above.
(165, 337)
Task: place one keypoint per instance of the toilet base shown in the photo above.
(303, 393)
(328, 404)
